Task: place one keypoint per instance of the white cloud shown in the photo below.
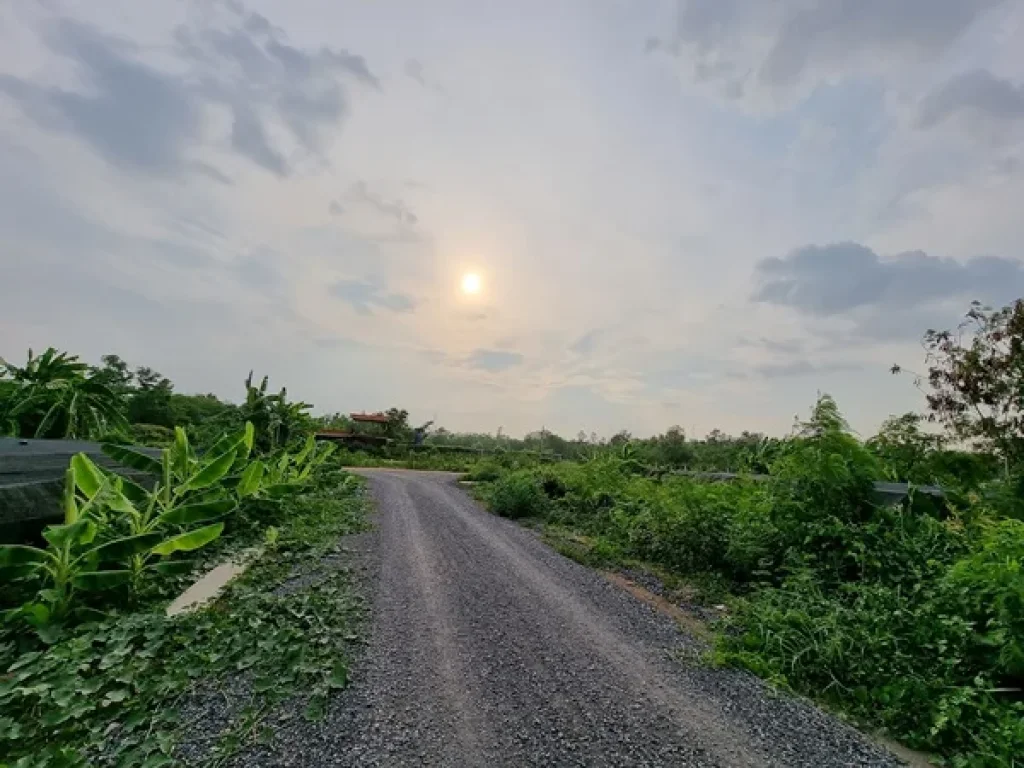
(207, 188)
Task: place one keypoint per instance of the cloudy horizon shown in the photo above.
(696, 213)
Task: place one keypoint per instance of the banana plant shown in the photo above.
(183, 475)
(157, 512)
(55, 395)
(189, 491)
(73, 560)
(284, 473)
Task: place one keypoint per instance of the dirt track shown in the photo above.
(487, 648)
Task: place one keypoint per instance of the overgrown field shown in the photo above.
(908, 617)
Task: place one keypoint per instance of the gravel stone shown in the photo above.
(487, 648)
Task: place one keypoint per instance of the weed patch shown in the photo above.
(113, 692)
(906, 617)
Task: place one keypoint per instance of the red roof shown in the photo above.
(375, 418)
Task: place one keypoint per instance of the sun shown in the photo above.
(471, 283)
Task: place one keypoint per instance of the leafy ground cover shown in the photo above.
(906, 617)
(113, 691)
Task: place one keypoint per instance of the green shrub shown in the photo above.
(152, 435)
(909, 660)
(485, 472)
(987, 587)
(518, 495)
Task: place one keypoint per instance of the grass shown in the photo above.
(907, 619)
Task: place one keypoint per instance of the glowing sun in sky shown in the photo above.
(471, 283)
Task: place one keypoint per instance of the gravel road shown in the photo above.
(489, 649)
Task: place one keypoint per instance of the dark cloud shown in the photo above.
(139, 117)
(493, 360)
(837, 29)
(832, 279)
(723, 38)
(250, 67)
(249, 139)
(978, 92)
(133, 115)
(366, 296)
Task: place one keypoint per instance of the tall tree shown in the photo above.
(115, 374)
(976, 379)
(151, 402)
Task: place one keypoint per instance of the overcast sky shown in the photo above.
(697, 213)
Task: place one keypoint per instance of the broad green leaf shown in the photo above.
(122, 549)
(80, 532)
(195, 513)
(187, 542)
(228, 443)
(249, 436)
(88, 477)
(132, 458)
(118, 501)
(18, 554)
(98, 580)
(172, 567)
(307, 449)
(134, 492)
(70, 504)
(97, 505)
(36, 614)
(48, 420)
(224, 443)
(251, 479)
(211, 472)
(181, 452)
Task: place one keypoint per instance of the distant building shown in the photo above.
(374, 433)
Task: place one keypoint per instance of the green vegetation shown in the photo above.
(908, 616)
(117, 533)
(55, 395)
(93, 671)
(117, 691)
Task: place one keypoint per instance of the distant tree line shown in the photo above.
(974, 387)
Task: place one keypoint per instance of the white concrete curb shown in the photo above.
(213, 582)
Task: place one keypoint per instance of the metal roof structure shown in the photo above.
(372, 418)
